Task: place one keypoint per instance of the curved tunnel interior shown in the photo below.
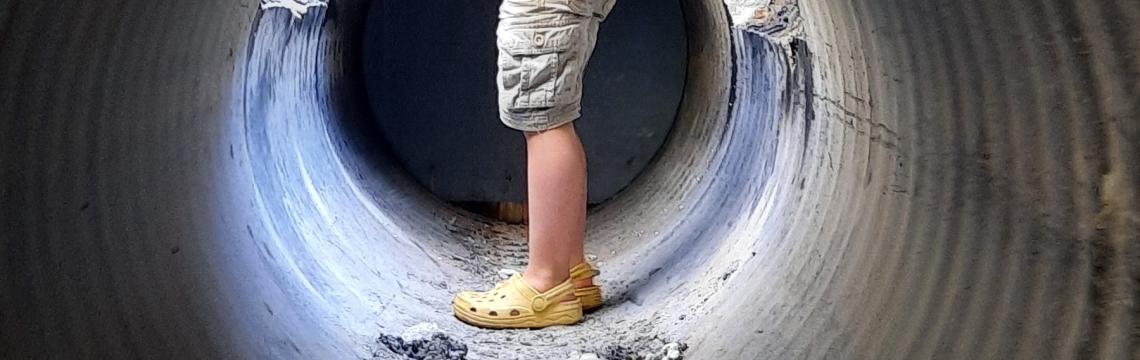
(874, 179)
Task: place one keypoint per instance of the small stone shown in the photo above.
(589, 356)
(672, 354)
(507, 273)
(420, 331)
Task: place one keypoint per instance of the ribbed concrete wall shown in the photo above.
(911, 180)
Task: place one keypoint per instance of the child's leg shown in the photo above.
(556, 192)
(543, 51)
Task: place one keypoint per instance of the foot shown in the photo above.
(539, 283)
(517, 304)
(582, 276)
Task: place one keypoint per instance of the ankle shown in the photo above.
(543, 279)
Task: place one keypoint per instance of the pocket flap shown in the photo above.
(579, 7)
(522, 41)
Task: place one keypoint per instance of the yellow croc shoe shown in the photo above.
(591, 296)
(515, 304)
(472, 295)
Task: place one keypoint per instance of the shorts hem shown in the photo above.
(539, 121)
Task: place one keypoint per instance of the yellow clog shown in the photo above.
(591, 296)
(515, 304)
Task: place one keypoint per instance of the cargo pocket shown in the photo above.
(533, 66)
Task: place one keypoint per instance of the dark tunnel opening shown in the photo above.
(874, 179)
(429, 68)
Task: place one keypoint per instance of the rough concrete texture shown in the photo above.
(437, 346)
(777, 20)
(912, 179)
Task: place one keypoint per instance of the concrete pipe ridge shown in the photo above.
(901, 179)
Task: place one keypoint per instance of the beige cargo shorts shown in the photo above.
(544, 46)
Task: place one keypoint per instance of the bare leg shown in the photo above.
(556, 192)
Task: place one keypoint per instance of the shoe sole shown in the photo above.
(567, 317)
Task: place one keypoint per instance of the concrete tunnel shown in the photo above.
(869, 179)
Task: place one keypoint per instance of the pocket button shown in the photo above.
(539, 40)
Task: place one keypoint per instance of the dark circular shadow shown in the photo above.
(429, 69)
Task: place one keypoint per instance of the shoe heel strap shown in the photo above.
(583, 271)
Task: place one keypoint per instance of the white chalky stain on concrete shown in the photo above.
(298, 7)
